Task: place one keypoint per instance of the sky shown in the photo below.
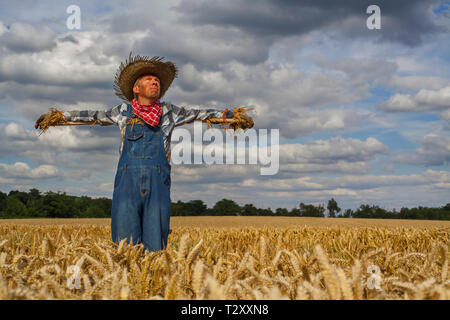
(363, 114)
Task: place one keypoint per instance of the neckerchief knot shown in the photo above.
(149, 113)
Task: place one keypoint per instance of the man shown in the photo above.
(141, 197)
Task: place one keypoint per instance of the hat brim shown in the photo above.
(138, 66)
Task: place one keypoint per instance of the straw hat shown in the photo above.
(135, 67)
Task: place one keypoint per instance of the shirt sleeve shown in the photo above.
(103, 117)
(181, 115)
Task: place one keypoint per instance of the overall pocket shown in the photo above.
(134, 141)
(143, 142)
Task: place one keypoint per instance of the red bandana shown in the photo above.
(149, 113)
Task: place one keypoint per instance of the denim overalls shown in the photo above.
(141, 198)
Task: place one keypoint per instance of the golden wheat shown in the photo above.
(296, 262)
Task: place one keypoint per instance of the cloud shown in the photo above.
(350, 182)
(332, 150)
(360, 71)
(79, 72)
(62, 146)
(353, 190)
(17, 132)
(434, 150)
(23, 171)
(207, 47)
(335, 155)
(284, 97)
(22, 37)
(403, 21)
(416, 83)
(68, 63)
(424, 100)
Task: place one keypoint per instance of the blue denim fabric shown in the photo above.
(141, 198)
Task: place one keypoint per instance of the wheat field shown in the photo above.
(228, 258)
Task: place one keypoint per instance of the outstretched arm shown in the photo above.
(181, 115)
(101, 117)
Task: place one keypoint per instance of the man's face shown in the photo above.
(149, 87)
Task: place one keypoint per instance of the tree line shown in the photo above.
(34, 204)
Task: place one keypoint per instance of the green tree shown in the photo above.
(265, 212)
(333, 208)
(249, 210)
(94, 212)
(178, 209)
(15, 207)
(3, 197)
(22, 196)
(56, 205)
(104, 204)
(282, 212)
(309, 210)
(195, 208)
(348, 213)
(295, 212)
(226, 207)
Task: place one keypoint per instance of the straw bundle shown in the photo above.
(52, 118)
(55, 117)
(240, 120)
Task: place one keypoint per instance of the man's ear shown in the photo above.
(136, 89)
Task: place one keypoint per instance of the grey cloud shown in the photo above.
(349, 190)
(59, 146)
(22, 38)
(403, 21)
(434, 150)
(351, 182)
(340, 166)
(284, 97)
(334, 155)
(333, 150)
(418, 82)
(360, 71)
(205, 46)
(69, 38)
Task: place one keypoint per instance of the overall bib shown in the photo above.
(141, 198)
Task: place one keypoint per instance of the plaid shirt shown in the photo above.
(172, 116)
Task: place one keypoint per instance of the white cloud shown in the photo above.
(17, 132)
(424, 100)
(23, 170)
